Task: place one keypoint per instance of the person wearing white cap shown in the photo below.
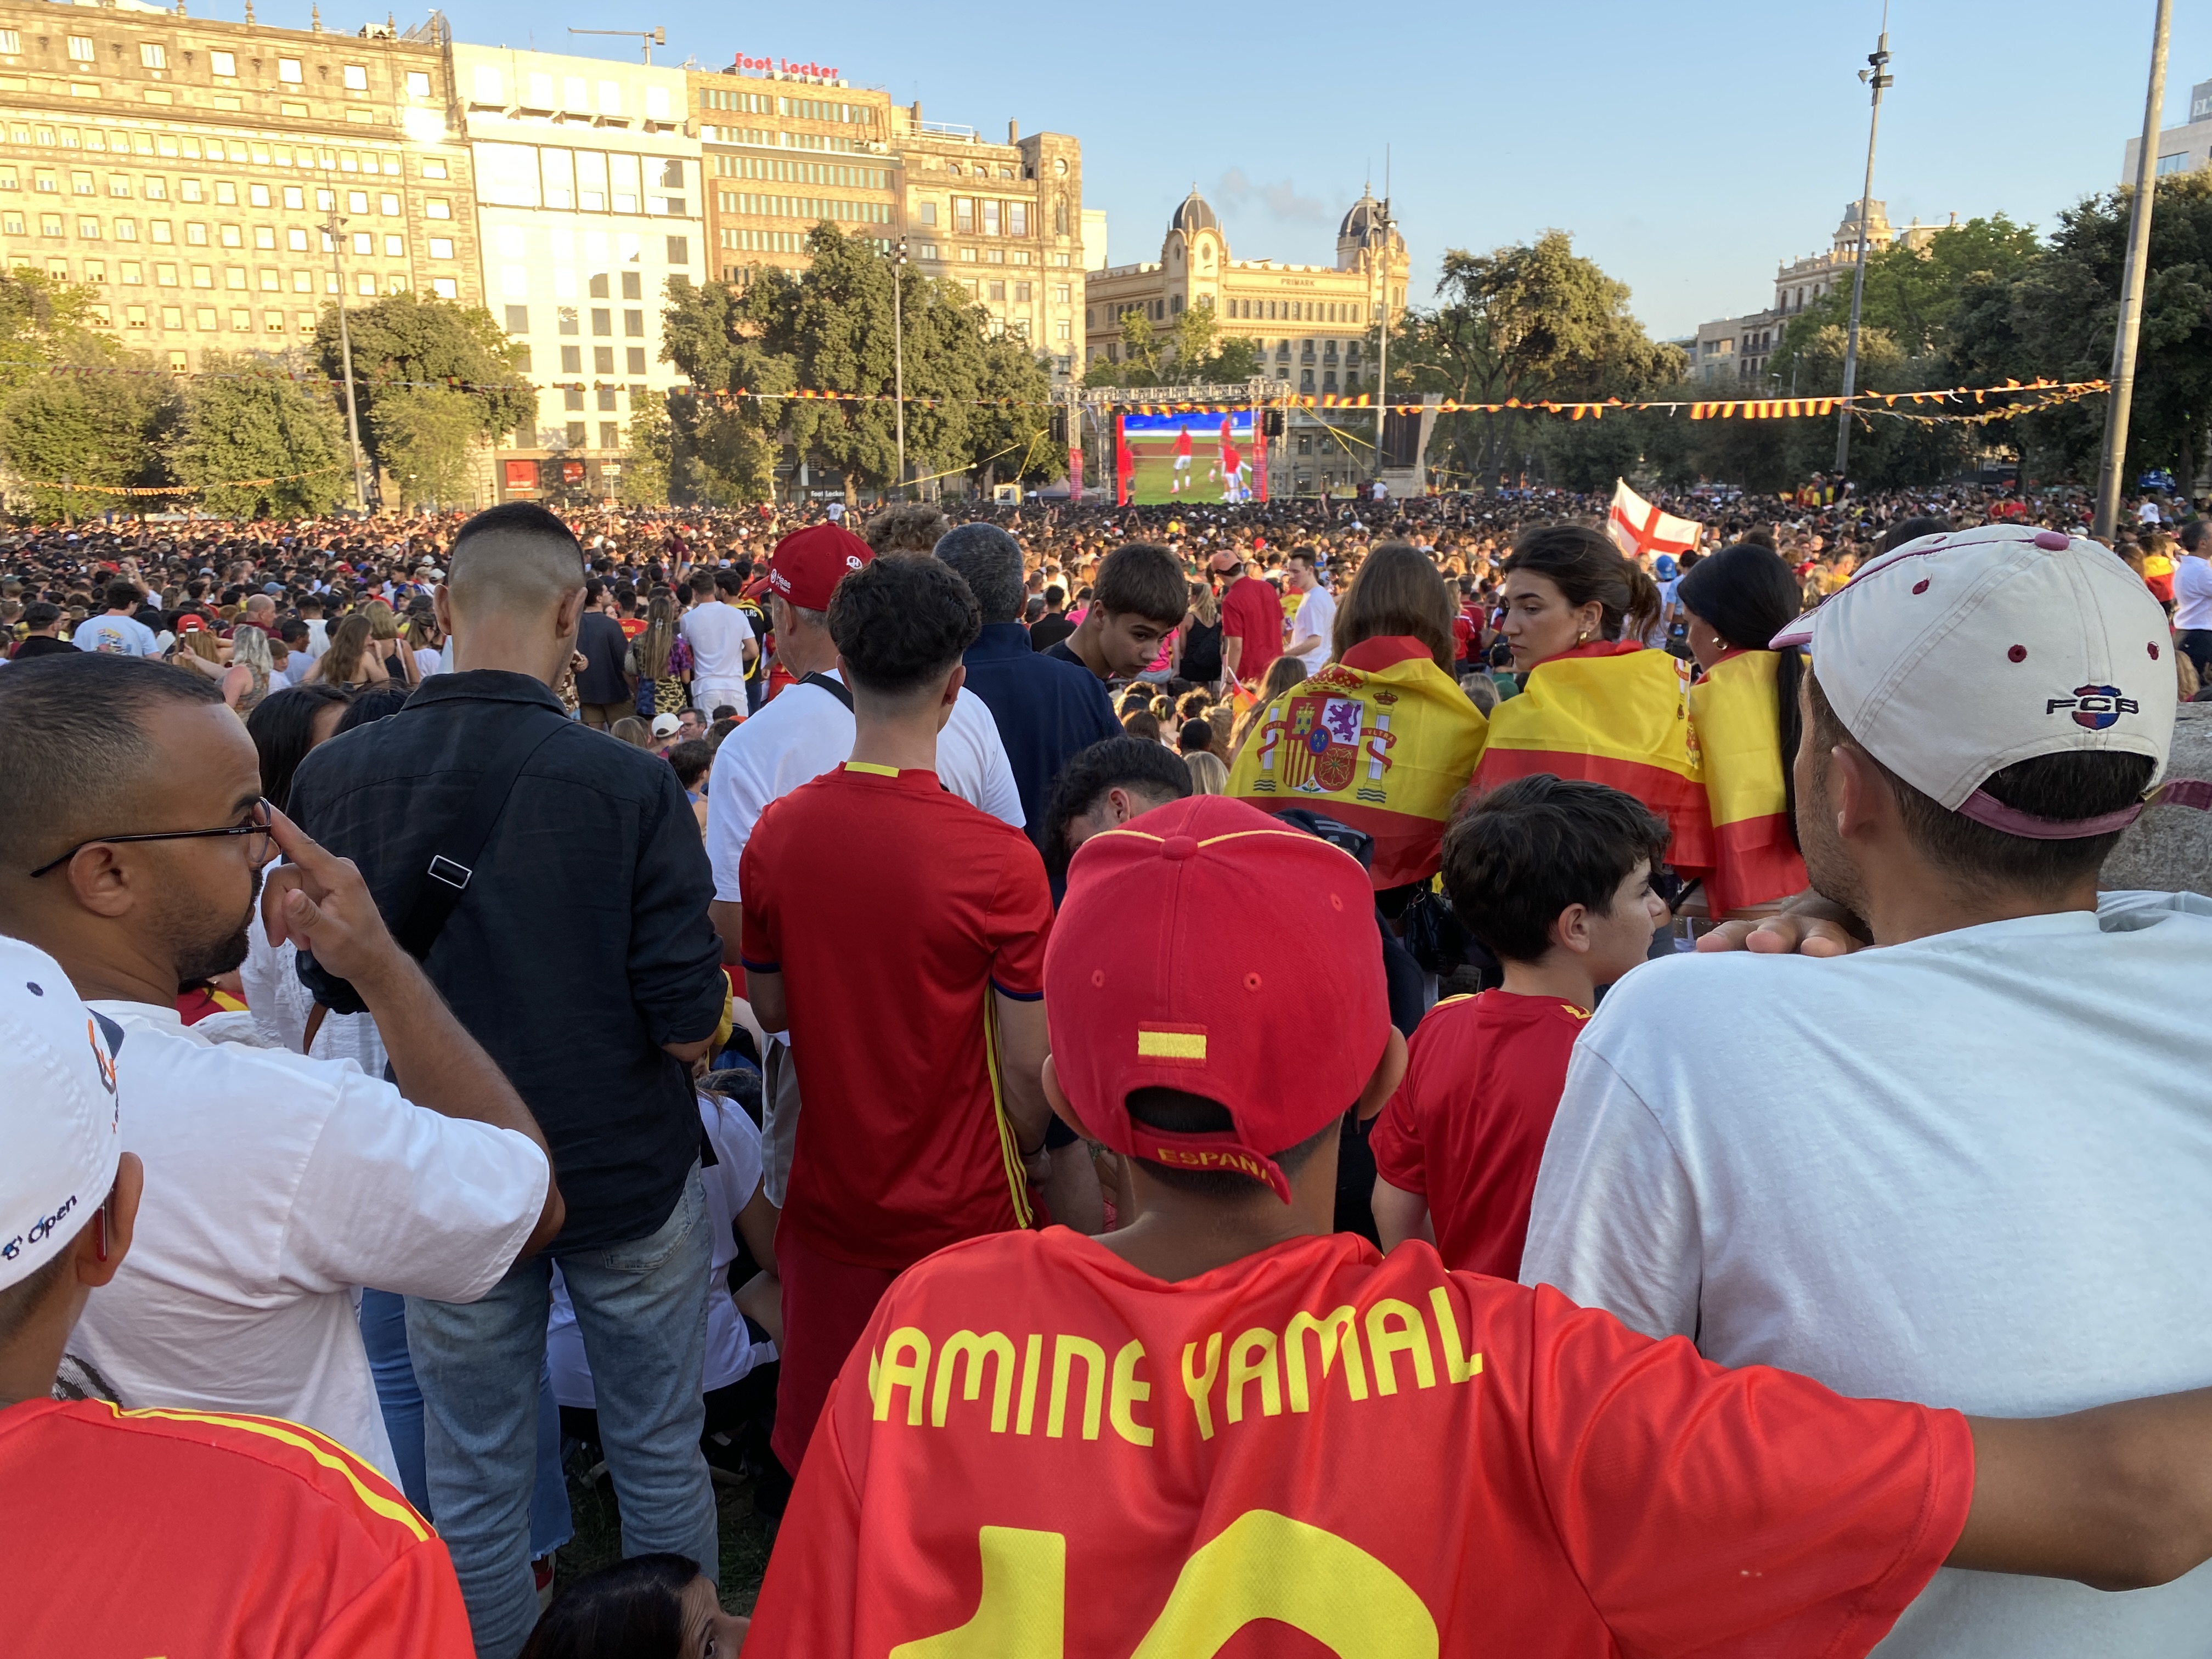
(221, 1535)
(132, 851)
(1968, 1166)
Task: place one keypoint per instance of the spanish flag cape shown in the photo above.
(1733, 713)
(1613, 714)
(1383, 741)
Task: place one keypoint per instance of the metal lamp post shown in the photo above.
(333, 229)
(899, 359)
(2120, 402)
(1875, 77)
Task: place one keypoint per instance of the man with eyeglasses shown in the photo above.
(132, 851)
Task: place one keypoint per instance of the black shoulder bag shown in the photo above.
(834, 688)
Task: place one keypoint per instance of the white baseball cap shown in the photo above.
(1955, 656)
(666, 725)
(59, 1133)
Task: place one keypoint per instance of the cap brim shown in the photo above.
(1797, 633)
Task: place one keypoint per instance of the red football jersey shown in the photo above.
(1038, 1449)
(893, 908)
(1252, 611)
(1466, 1127)
(174, 1532)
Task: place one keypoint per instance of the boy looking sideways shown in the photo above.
(1554, 875)
(1159, 1459)
(1138, 600)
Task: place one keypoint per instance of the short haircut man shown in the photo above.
(990, 562)
(1105, 786)
(1137, 601)
(595, 1011)
(905, 527)
(1965, 1162)
(916, 1138)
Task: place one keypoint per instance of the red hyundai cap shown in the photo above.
(1167, 969)
(808, 564)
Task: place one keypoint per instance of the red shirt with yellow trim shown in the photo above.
(1466, 1128)
(1035, 1444)
(221, 1537)
(892, 909)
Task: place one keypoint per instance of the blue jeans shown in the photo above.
(384, 1333)
(641, 1311)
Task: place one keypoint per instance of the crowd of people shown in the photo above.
(1461, 1085)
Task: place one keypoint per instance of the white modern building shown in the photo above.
(589, 204)
(2180, 149)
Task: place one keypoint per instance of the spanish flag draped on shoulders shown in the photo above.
(1733, 717)
(1615, 714)
(1383, 741)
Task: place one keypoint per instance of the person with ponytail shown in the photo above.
(1744, 711)
(1595, 704)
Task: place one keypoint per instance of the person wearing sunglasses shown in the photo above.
(133, 853)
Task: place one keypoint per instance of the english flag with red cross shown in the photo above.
(1641, 531)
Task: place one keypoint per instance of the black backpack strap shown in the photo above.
(834, 688)
(454, 866)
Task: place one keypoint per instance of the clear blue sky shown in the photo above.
(1688, 146)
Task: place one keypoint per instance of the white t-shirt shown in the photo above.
(730, 1351)
(802, 731)
(1969, 1170)
(1316, 616)
(279, 1007)
(124, 636)
(716, 634)
(2192, 591)
(275, 1186)
(318, 637)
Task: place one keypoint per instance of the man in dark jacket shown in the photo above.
(577, 951)
(604, 692)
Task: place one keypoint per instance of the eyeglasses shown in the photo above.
(260, 847)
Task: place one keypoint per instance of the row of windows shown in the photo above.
(193, 147)
(739, 103)
(991, 218)
(609, 436)
(623, 248)
(800, 172)
(1297, 311)
(569, 319)
(161, 232)
(129, 273)
(571, 396)
(154, 55)
(775, 241)
(803, 109)
(802, 207)
(990, 256)
(155, 188)
(585, 181)
(572, 357)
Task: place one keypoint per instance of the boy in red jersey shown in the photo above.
(1221, 1418)
(1554, 875)
(168, 1531)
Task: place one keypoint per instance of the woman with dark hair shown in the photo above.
(379, 702)
(1596, 703)
(649, 1607)
(1745, 713)
(285, 725)
(1282, 674)
(1382, 739)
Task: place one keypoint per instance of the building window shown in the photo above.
(434, 169)
(1017, 218)
(446, 287)
(395, 247)
(11, 43)
(565, 318)
(633, 285)
(418, 83)
(964, 215)
(388, 206)
(437, 207)
(265, 237)
(634, 361)
(2178, 162)
(287, 70)
(441, 247)
(603, 320)
(998, 290)
(605, 397)
(356, 77)
(80, 48)
(364, 244)
(633, 324)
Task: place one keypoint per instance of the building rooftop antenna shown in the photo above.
(652, 37)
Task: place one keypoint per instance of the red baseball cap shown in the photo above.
(1167, 969)
(808, 564)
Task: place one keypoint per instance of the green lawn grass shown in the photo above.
(746, 1537)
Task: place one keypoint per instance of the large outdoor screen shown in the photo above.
(1201, 455)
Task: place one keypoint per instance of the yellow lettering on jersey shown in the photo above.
(1198, 1385)
(1128, 1392)
(1410, 1337)
(1459, 1366)
(1252, 1359)
(1032, 1360)
(1266, 1565)
(975, 1350)
(1337, 1329)
(1065, 1351)
(913, 1373)
(1022, 1613)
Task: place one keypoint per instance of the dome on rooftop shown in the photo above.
(1365, 219)
(1193, 216)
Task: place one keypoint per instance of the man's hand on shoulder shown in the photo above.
(1809, 926)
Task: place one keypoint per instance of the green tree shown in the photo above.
(645, 464)
(249, 416)
(405, 344)
(1531, 323)
(63, 433)
(423, 437)
(45, 320)
(1193, 334)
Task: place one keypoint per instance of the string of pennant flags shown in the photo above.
(1970, 404)
(77, 487)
